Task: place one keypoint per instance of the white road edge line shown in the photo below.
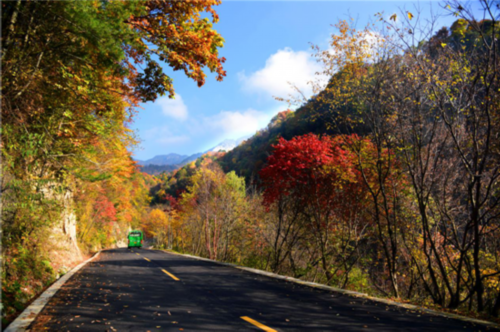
(23, 321)
(346, 292)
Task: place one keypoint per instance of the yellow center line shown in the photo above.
(146, 259)
(170, 275)
(259, 325)
(138, 254)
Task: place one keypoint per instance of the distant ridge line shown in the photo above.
(173, 161)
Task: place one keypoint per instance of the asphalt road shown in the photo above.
(149, 290)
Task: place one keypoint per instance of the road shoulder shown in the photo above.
(24, 320)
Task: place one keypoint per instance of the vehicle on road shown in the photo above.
(135, 239)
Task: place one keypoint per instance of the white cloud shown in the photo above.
(208, 130)
(223, 125)
(232, 124)
(282, 67)
(174, 108)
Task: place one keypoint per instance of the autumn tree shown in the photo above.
(319, 176)
(213, 202)
(462, 98)
(157, 226)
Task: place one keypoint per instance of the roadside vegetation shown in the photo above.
(73, 73)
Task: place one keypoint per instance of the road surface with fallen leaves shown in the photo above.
(151, 290)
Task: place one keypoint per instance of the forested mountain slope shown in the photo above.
(321, 115)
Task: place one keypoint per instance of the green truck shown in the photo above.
(135, 239)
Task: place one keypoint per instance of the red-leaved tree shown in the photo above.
(318, 193)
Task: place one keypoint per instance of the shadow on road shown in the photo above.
(124, 292)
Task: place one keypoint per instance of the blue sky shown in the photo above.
(267, 43)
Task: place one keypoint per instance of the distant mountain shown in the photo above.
(168, 159)
(191, 158)
(167, 163)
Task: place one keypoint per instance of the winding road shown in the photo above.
(151, 290)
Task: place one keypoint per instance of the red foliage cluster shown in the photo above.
(105, 210)
(174, 203)
(313, 171)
